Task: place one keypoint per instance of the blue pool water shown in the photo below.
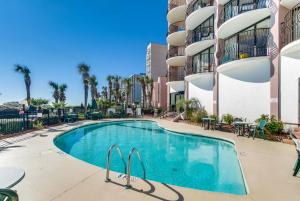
(183, 160)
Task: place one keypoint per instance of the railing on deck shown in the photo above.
(251, 43)
(290, 28)
(196, 4)
(206, 63)
(236, 7)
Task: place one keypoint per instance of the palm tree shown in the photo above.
(128, 86)
(62, 93)
(93, 85)
(142, 81)
(149, 83)
(26, 73)
(84, 70)
(104, 92)
(110, 82)
(55, 88)
(117, 79)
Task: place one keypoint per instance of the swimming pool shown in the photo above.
(184, 160)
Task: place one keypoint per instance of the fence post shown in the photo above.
(27, 119)
(23, 117)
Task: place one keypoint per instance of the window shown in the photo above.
(205, 30)
(203, 61)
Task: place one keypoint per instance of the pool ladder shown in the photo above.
(128, 168)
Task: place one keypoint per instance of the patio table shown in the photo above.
(207, 120)
(243, 125)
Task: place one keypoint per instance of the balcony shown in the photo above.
(237, 15)
(200, 39)
(246, 44)
(176, 11)
(198, 11)
(176, 34)
(176, 56)
(290, 31)
(176, 74)
(204, 64)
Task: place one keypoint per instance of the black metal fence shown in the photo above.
(236, 7)
(196, 4)
(20, 121)
(250, 43)
(290, 28)
(204, 63)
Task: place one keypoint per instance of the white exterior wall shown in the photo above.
(245, 91)
(204, 95)
(290, 73)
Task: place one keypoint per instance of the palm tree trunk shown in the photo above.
(86, 93)
(110, 91)
(28, 98)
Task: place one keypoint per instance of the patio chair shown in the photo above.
(297, 165)
(260, 128)
(8, 194)
(237, 127)
(218, 125)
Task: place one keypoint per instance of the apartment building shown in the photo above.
(156, 61)
(156, 69)
(136, 89)
(235, 56)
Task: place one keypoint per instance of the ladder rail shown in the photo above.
(134, 150)
(9, 194)
(114, 146)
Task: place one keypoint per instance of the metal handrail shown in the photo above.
(108, 160)
(134, 150)
(8, 193)
(235, 7)
(290, 27)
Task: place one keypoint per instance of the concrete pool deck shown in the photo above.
(51, 174)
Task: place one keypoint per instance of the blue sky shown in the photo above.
(52, 36)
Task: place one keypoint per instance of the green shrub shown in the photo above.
(38, 124)
(214, 117)
(197, 115)
(51, 121)
(273, 126)
(228, 119)
(81, 116)
(180, 105)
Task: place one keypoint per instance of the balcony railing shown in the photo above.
(290, 28)
(175, 27)
(206, 63)
(251, 43)
(206, 33)
(176, 74)
(176, 51)
(196, 4)
(236, 7)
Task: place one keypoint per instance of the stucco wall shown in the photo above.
(290, 73)
(203, 93)
(245, 91)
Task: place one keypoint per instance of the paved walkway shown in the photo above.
(51, 175)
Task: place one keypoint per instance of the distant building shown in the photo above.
(136, 89)
(156, 61)
(159, 98)
(156, 69)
